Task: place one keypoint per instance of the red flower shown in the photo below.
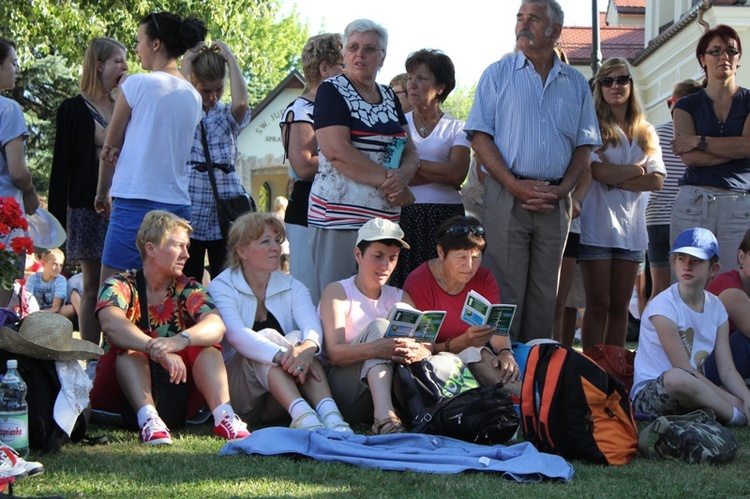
(22, 245)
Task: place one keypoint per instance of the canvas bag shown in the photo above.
(694, 438)
(572, 407)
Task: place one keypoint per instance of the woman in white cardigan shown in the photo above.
(273, 332)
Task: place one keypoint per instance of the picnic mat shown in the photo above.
(406, 452)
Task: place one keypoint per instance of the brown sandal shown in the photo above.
(388, 426)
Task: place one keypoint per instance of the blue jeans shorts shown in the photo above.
(120, 251)
(586, 252)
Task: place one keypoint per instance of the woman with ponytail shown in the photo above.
(142, 165)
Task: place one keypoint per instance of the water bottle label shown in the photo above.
(14, 429)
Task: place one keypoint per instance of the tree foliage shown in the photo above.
(52, 35)
(459, 101)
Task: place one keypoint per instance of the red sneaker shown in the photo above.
(231, 428)
(154, 432)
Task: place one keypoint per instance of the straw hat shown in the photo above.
(47, 336)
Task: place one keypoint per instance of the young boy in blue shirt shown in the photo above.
(48, 286)
(679, 329)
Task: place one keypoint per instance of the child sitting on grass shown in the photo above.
(48, 286)
(679, 329)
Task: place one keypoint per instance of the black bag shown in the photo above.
(43, 387)
(429, 381)
(483, 415)
(230, 209)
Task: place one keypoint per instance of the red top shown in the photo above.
(428, 295)
(726, 280)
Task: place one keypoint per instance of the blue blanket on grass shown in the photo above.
(406, 452)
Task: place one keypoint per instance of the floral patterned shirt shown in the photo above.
(183, 306)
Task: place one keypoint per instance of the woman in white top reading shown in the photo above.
(354, 312)
(142, 164)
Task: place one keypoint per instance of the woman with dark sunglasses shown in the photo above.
(443, 284)
(712, 137)
(613, 215)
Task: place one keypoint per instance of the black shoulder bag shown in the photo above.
(230, 209)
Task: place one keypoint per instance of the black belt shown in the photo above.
(554, 181)
(202, 167)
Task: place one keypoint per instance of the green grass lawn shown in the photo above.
(191, 468)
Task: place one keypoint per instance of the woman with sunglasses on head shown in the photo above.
(613, 215)
(82, 123)
(712, 132)
(443, 284)
(366, 159)
(142, 163)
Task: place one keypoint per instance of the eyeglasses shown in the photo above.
(608, 81)
(463, 229)
(156, 23)
(367, 49)
(671, 101)
(730, 51)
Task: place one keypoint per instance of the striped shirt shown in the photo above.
(336, 201)
(536, 127)
(659, 208)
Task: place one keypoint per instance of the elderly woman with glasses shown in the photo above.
(712, 129)
(366, 158)
(613, 215)
(443, 284)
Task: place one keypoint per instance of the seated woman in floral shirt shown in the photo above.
(180, 336)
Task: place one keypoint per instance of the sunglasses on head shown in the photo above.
(463, 229)
(608, 81)
(156, 23)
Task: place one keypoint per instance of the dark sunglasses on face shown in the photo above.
(716, 52)
(608, 81)
(671, 101)
(463, 229)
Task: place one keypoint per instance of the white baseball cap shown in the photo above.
(379, 229)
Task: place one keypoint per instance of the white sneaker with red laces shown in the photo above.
(231, 428)
(154, 431)
(13, 465)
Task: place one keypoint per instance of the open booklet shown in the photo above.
(478, 311)
(408, 322)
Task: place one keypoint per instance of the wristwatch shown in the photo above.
(702, 144)
(280, 354)
(186, 335)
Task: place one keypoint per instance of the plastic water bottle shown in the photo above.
(14, 413)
